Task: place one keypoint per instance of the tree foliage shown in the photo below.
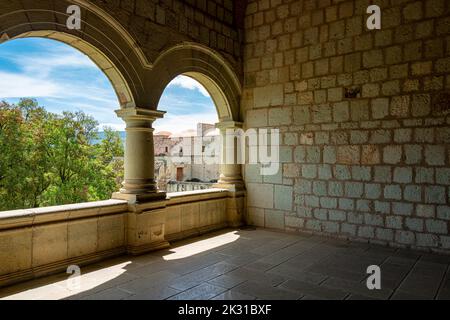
(48, 159)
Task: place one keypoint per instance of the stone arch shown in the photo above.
(204, 65)
(101, 38)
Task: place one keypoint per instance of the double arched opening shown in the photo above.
(138, 83)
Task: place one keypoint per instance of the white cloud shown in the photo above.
(189, 83)
(70, 93)
(181, 125)
(52, 72)
(53, 76)
(42, 65)
(19, 86)
(51, 62)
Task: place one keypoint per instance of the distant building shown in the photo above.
(181, 165)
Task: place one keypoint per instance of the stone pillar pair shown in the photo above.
(146, 218)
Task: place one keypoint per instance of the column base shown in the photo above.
(138, 250)
(236, 206)
(146, 227)
(233, 186)
(140, 198)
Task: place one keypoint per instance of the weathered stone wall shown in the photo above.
(41, 241)
(374, 167)
(195, 212)
(158, 25)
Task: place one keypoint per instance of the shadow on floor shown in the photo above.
(251, 264)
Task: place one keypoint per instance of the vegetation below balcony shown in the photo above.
(49, 159)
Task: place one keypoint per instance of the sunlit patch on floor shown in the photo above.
(202, 246)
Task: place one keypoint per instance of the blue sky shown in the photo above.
(62, 78)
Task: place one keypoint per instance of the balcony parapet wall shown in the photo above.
(38, 242)
(43, 241)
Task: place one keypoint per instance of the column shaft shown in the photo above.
(139, 160)
(139, 153)
(230, 171)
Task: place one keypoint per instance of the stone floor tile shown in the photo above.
(233, 295)
(150, 281)
(408, 254)
(338, 272)
(227, 281)
(98, 281)
(421, 286)
(155, 293)
(400, 260)
(146, 270)
(261, 264)
(318, 291)
(429, 269)
(354, 296)
(400, 295)
(109, 294)
(237, 249)
(202, 275)
(292, 272)
(243, 259)
(266, 292)
(197, 263)
(32, 285)
(307, 259)
(310, 297)
(249, 274)
(204, 291)
(355, 287)
(435, 258)
(443, 294)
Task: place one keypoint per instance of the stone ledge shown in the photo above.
(194, 192)
(194, 196)
(30, 217)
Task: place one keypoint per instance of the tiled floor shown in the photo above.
(253, 264)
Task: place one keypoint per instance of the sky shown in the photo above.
(63, 79)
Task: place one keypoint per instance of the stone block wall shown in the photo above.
(158, 25)
(195, 212)
(43, 241)
(363, 115)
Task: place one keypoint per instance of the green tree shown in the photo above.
(48, 159)
(12, 152)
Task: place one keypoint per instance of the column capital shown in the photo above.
(229, 124)
(139, 114)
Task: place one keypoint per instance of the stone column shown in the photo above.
(230, 173)
(231, 176)
(139, 184)
(146, 217)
